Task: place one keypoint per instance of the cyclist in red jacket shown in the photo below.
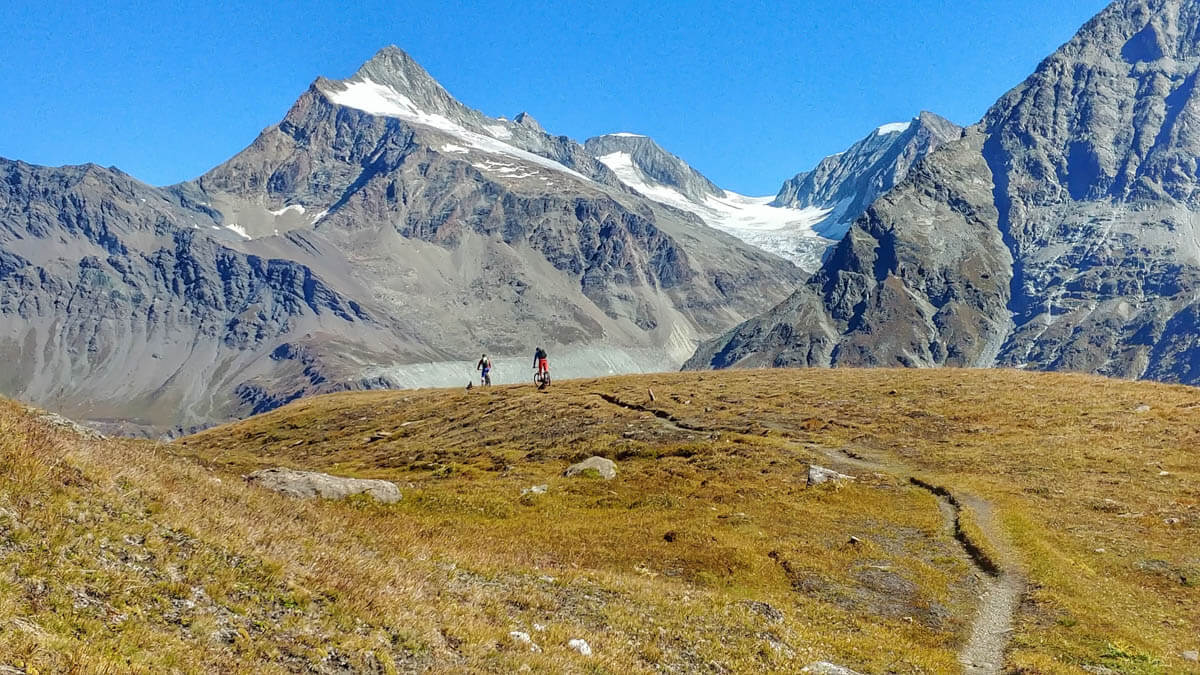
(541, 364)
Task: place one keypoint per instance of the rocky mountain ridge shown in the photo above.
(1059, 233)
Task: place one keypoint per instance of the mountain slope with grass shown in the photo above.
(1048, 522)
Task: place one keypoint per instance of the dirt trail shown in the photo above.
(984, 652)
(1003, 583)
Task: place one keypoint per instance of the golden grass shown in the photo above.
(708, 510)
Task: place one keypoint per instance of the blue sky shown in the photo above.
(749, 93)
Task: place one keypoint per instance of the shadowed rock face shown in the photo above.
(118, 297)
(380, 225)
(1059, 233)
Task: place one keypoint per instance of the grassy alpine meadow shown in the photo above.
(709, 551)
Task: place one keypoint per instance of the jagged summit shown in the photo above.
(394, 67)
(526, 120)
(393, 81)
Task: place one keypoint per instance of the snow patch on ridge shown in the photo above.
(238, 230)
(383, 101)
(893, 128)
(498, 131)
(290, 207)
(787, 232)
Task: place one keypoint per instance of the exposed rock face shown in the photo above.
(1059, 233)
(122, 300)
(310, 485)
(850, 181)
(374, 237)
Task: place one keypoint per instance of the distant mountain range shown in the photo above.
(383, 234)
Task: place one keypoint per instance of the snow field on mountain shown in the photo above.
(751, 219)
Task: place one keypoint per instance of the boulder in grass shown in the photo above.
(310, 484)
(605, 468)
(819, 474)
(580, 645)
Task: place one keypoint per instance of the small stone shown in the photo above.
(1100, 550)
(1192, 655)
(605, 467)
(1164, 473)
(535, 490)
(523, 638)
(580, 646)
(818, 475)
(1171, 521)
(764, 610)
(539, 627)
(1142, 409)
(827, 668)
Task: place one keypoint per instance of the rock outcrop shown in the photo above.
(310, 485)
(819, 475)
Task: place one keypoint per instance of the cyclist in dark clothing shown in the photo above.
(485, 366)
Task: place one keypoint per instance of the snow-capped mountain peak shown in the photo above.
(654, 164)
(848, 182)
(393, 85)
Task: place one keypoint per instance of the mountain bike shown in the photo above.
(541, 378)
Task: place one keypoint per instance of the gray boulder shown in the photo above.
(819, 474)
(605, 467)
(310, 484)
